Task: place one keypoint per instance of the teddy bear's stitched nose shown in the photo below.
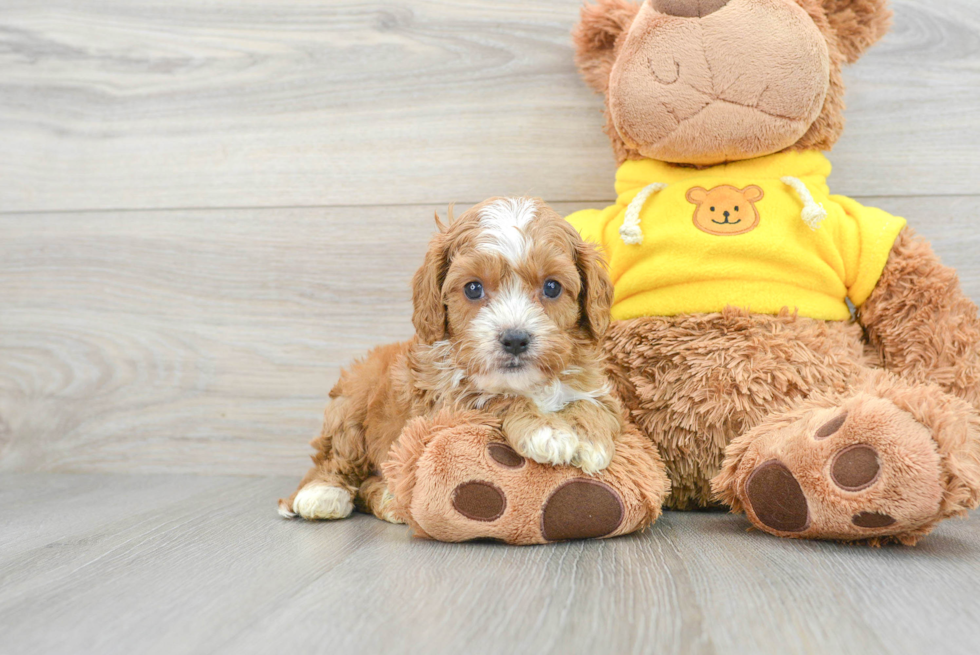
(688, 8)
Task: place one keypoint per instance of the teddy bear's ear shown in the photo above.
(697, 195)
(595, 38)
(859, 24)
(753, 193)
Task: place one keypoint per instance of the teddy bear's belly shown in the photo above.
(695, 382)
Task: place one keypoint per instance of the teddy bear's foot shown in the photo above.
(455, 479)
(878, 466)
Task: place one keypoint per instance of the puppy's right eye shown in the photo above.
(552, 289)
(473, 290)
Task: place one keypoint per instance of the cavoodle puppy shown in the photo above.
(509, 307)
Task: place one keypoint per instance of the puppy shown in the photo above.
(509, 307)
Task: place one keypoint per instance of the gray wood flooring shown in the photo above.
(207, 208)
(104, 563)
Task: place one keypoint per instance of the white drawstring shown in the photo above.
(630, 231)
(813, 212)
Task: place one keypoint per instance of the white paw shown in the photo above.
(547, 445)
(387, 503)
(322, 501)
(591, 457)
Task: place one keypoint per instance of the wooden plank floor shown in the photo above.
(194, 564)
(208, 207)
(268, 103)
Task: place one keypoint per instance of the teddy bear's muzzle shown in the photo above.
(717, 86)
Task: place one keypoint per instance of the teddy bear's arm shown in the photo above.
(921, 323)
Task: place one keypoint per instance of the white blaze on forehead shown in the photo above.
(503, 223)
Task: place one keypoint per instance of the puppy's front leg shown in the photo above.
(582, 434)
(598, 424)
(544, 437)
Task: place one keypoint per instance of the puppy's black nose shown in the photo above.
(515, 341)
(727, 214)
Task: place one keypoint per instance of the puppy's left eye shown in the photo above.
(552, 289)
(473, 290)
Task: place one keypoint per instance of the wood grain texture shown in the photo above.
(207, 208)
(207, 341)
(214, 570)
(109, 104)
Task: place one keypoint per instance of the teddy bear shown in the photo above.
(792, 354)
(782, 352)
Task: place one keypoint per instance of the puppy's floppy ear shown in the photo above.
(595, 298)
(595, 39)
(429, 310)
(859, 24)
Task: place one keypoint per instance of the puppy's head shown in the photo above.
(515, 290)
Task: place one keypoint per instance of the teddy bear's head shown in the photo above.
(709, 81)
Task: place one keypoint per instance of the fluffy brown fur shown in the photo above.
(857, 24)
(552, 398)
(711, 390)
(693, 383)
(921, 324)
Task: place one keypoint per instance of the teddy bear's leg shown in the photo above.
(455, 478)
(373, 497)
(884, 462)
(921, 323)
(693, 383)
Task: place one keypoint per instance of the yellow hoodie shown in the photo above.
(762, 234)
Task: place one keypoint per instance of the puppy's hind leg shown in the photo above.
(320, 495)
(328, 489)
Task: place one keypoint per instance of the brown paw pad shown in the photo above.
(480, 501)
(581, 509)
(777, 499)
(831, 427)
(872, 520)
(855, 468)
(505, 456)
